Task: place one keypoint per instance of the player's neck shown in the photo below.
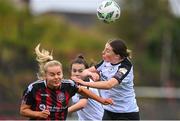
(116, 61)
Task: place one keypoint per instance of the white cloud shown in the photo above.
(77, 6)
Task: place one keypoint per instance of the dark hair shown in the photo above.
(80, 60)
(119, 47)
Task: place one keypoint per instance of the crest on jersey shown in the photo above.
(61, 97)
(42, 107)
(123, 70)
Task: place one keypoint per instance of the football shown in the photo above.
(108, 11)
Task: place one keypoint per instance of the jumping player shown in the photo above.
(116, 81)
(48, 97)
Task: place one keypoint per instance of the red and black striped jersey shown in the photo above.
(40, 97)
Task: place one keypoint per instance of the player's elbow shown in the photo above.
(109, 85)
(22, 112)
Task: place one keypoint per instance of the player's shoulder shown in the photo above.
(125, 66)
(68, 82)
(99, 64)
(126, 63)
(36, 84)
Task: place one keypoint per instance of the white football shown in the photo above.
(108, 11)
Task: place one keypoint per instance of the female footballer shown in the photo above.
(87, 109)
(48, 97)
(116, 81)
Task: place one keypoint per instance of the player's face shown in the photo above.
(107, 54)
(53, 76)
(77, 69)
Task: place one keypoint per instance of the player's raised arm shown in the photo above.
(89, 94)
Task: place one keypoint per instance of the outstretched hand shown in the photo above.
(77, 80)
(93, 75)
(43, 114)
(107, 101)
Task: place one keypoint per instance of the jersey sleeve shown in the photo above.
(70, 86)
(99, 64)
(123, 71)
(27, 97)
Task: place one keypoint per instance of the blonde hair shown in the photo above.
(45, 59)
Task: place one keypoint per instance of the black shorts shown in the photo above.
(108, 115)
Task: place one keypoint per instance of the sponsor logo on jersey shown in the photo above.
(103, 77)
(42, 107)
(56, 109)
(123, 70)
(61, 97)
